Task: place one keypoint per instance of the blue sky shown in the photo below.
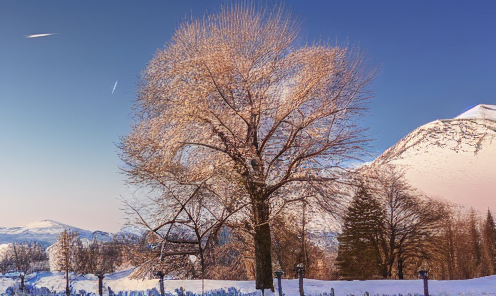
(59, 119)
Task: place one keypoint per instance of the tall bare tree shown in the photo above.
(236, 92)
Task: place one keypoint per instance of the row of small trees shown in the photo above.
(67, 254)
(468, 246)
(23, 258)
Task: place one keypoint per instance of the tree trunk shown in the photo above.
(100, 284)
(22, 283)
(263, 259)
(162, 289)
(67, 291)
(400, 268)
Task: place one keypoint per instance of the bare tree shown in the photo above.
(5, 262)
(412, 223)
(25, 258)
(235, 92)
(100, 258)
(64, 255)
(183, 221)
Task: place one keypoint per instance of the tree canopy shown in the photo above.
(236, 95)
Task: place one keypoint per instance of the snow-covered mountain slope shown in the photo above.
(45, 231)
(452, 159)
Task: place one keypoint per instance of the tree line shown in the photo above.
(390, 231)
(67, 254)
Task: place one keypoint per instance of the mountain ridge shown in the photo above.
(451, 159)
(44, 231)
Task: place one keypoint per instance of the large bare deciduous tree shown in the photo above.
(237, 93)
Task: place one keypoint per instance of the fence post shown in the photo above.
(161, 275)
(100, 283)
(279, 274)
(300, 269)
(424, 274)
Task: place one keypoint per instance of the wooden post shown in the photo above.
(279, 274)
(426, 286)
(161, 281)
(300, 268)
(424, 275)
(100, 284)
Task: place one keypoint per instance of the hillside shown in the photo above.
(452, 159)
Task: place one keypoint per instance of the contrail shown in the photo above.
(40, 35)
(115, 85)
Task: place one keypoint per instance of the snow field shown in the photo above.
(120, 282)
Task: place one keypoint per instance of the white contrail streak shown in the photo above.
(115, 85)
(40, 35)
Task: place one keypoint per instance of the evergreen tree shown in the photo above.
(489, 240)
(359, 255)
(474, 247)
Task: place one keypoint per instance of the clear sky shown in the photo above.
(59, 120)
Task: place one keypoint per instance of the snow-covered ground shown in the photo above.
(120, 282)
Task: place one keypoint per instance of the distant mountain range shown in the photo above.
(45, 232)
(452, 159)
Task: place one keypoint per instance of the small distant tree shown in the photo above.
(5, 263)
(65, 252)
(446, 251)
(100, 258)
(26, 258)
(474, 245)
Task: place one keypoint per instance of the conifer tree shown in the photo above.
(489, 240)
(475, 244)
(359, 255)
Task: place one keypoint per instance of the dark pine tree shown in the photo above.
(359, 255)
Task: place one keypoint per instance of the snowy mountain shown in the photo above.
(452, 159)
(45, 231)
